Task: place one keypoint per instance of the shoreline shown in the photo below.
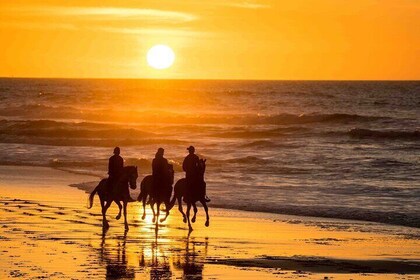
(47, 231)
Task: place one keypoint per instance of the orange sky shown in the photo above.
(212, 39)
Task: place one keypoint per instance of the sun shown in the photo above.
(160, 57)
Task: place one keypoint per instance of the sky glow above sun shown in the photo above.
(212, 39)
(160, 57)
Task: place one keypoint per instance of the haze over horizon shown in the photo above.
(261, 40)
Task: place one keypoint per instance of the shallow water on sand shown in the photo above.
(46, 231)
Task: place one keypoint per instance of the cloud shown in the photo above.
(247, 5)
(150, 31)
(106, 13)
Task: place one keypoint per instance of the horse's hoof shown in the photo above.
(191, 229)
(207, 223)
(118, 217)
(153, 220)
(105, 226)
(193, 220)
(185, 220)
(143, 217)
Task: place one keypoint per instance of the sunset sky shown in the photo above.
(212, 39)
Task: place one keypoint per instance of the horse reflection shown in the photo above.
(170, 262)
(116, 262)
(192, 261)
(156, 260)
(159, 258)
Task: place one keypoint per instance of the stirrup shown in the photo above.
(207, 199)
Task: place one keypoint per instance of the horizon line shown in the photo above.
(213, 79)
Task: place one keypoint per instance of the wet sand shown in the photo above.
(46, 231)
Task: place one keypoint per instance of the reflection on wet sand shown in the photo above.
(192, 262)
(116, 261)
(161, 257)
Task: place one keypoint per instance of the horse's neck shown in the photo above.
(123, 178)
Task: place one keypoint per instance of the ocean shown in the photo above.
(335, 149)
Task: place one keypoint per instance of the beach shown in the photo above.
(46, 231)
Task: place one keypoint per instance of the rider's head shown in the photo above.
(160, 152)
(191, 149)
(117, 151)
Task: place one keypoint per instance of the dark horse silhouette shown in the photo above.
(119, 192)
(192, 196)
(163, 195)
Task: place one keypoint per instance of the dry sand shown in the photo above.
(46, 231)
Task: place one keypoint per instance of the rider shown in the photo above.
(115, 167)
(190, 166)
(160, 172)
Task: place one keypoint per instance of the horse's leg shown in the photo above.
(195, 212)
(152, 205)
(184, 217)
(167, 204)
(120, 207)
(188, 216)
(144, 207)
(102, 202)
(125, 214)
(104, 209)
(203, 202)
(157, 212)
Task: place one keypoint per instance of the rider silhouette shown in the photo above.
(190, 166)
(160, 172)
(115, 167)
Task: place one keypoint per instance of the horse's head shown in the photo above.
(201, 168)
(202, 165)
(132, 176)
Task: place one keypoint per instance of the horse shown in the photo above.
(118, 193)
(146, 191)
(181, 191)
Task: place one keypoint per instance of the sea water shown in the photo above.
(335, 149)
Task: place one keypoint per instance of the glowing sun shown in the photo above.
(160, 57)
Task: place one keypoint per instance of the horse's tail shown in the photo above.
(144, 191)
(141, 195)
(172, 202)
(178, 192)
(92, 194)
